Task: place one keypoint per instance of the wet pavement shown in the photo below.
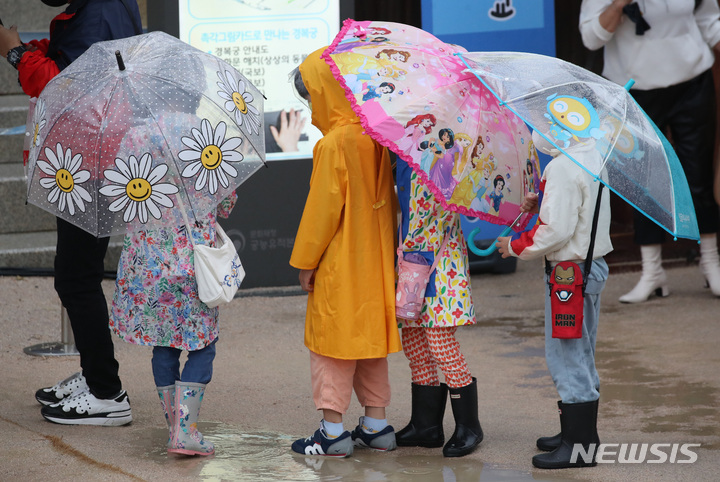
(659, 365)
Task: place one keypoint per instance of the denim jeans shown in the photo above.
(572, 361)
(198, 367)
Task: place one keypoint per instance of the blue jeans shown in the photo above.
(572, 362)
(198, 367)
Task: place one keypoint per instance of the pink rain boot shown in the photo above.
(185, 438)
(167, 397)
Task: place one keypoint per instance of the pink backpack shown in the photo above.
(413, 277)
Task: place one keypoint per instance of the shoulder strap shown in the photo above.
(138, 28)
(446, 238)
(593, 232)
(591, 248)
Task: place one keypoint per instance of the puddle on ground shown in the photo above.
(515, 328)
(667, 403)
(663, 403)
(265, 456)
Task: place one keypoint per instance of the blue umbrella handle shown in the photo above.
(490, 249)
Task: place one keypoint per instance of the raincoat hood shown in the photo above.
(330, 107)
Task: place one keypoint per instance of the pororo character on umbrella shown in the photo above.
(572, 118)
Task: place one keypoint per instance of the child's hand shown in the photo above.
(307, 279)
(530, 203)
(503, 246)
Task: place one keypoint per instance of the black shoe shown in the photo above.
(72, 385)
(548, 444)
(468, 433)
(578, 426)
(85, 409)
(426, 421)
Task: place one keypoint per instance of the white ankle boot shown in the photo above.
(653, 278)
(710, 261)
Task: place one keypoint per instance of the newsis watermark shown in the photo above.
(636, 453)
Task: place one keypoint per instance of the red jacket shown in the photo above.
(83, 23)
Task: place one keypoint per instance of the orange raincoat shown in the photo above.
(347, 230)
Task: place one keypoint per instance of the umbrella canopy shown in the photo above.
(416, 98)
(570, 105)
(138, 130)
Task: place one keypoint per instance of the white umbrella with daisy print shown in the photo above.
(137, 129)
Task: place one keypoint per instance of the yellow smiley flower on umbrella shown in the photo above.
(37, 123)
(209, 155)
(138, 188)
(238, 102)
(65, 179)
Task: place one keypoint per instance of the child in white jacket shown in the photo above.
(568, 195)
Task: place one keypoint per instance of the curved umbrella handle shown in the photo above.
(490, 249)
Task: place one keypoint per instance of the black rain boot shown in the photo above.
(426, 420)
(578, 425)
(548, 444)
(468, 433)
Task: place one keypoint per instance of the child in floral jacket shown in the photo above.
(156, 303)
(429, 342)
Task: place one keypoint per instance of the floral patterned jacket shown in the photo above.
(156, 301)
(448, 298)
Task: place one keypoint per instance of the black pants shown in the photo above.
(688, 111)
(79, 272)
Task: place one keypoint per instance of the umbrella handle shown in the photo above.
(490, 249)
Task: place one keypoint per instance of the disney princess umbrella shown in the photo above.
(414, 96)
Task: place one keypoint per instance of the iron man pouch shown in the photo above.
(566, 300)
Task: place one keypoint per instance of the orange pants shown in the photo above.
(430, 348)
(333, 381)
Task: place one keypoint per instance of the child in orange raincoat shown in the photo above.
(344, 249)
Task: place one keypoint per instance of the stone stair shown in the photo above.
(27, 233)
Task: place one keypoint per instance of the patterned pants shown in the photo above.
(430, 348)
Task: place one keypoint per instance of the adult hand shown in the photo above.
(291, 126)
(613, 15)
(307, 279)
(530, 203)
(503, 246)
(9, 39)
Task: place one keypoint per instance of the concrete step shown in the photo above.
(11, 149)
(13, 110)
(13, 113)
(36, 251)
(19, 217)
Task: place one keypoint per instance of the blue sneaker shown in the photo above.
(321, 444)
(383, 440)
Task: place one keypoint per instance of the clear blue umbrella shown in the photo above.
(570, 105)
